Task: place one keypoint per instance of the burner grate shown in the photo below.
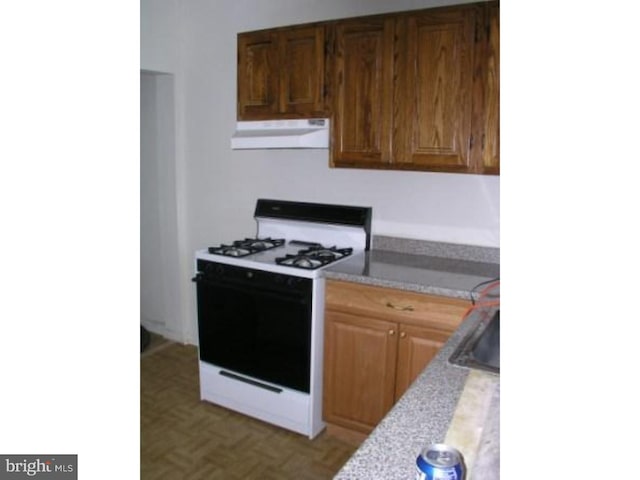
(315, 257)
(248, 246)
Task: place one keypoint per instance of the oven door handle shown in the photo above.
(198, 278)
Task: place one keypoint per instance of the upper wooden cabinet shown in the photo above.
(362, 71)
(418, 90)
(434, 87)
(281, 73)
(490, 144)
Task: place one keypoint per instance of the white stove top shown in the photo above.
(266, 260)
(330, 226)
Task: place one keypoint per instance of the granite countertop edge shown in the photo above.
(421, 266)
(398, 284)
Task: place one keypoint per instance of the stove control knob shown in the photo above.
(249, 274)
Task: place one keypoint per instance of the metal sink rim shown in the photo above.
(464, 354)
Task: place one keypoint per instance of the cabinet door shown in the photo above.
(359, 377)
(436, 81)
(302, 71)
(362, 93)
(417, 347)
(491, 134)
(258, 75)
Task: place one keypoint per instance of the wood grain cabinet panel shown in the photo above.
(363, 351)
(418, 90)
(436, 98)
(302, 71)
(257, 75)
(491, 132)
(281, 73)
(377, 341)
(362, 86)
(417, 347)
(409, 308)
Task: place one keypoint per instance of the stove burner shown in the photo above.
(332, 253)
(306, 262)
(248, 246)
(234, 251)
(315, 257)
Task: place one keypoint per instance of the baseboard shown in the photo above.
(346, 435)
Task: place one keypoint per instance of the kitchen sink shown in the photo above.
(480, 348)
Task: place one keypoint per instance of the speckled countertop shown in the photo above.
(437, 268)
(424, 414)
(419, 273)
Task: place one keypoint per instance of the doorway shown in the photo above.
(159, 291)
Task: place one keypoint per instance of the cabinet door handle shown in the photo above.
(392, 332)
(402, 308)
(403, 334)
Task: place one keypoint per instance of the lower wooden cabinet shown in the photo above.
(377, 341)
(418, 346)
(360, 370)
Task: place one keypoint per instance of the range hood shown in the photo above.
(311, 133)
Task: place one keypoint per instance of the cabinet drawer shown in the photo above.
(396, 305)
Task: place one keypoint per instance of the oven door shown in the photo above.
(255, 323)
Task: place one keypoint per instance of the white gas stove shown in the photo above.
(261, 310)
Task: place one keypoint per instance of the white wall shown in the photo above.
(159, 232)
(165, 261)
(218, 187)
(160, 33)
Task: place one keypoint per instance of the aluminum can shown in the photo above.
(439, 462)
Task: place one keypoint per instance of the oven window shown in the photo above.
(262, 333)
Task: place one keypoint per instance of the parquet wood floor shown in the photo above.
(182, 437)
